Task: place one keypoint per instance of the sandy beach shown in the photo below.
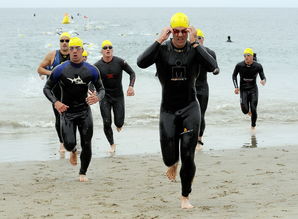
(243, 183)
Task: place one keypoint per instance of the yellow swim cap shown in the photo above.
(65, 34)
(85, 53)
(76, 41)
(106, 42)
(200, 33)
(248, 51)
(179, 20)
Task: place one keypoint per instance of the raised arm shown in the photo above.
(212, 53)
(148, 57)
(203, 56)
(206, 59)
(47, 61)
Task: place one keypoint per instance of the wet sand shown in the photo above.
(244, 183)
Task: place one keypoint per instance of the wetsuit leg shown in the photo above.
(119, 111)
(191, 124)
(57, 123)
(105, 110)
(203, 98)
(244, 102)
(85, 126)
(253, 106)
(169, 138)
(57, 92)
(68, 130)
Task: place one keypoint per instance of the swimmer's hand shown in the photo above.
(92, 97)
(263, 82)
(164, 35)
(130, 91)
(60, 107)
(216, 71)
(192, 34)
(236, 90)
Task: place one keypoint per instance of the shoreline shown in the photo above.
(138, 141)
(234, 183)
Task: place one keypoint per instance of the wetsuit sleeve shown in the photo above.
(126, 67)
(51, 82)
(97, 82)
(261, 73)
(149, 56)
(206, 59)
(212, 53)
(234, 76)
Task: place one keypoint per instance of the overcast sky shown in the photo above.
(146, 3)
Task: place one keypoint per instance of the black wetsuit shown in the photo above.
(111, 74)
(248, 87)
(73, 79)
(177, 70)
(202, 89)
(59, 58)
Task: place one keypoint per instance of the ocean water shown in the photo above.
(26, 118)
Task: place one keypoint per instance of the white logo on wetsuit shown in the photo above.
(77, 80)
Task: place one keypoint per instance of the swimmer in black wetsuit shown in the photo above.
(202, 89)
(111, 68)
(74, 77)
(177, 63)
(51, 60)
(248, 70)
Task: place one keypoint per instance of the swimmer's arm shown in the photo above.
(234, 78)
(149, 56)
(51, 82)
(47, 61)
(262, 76)
(212, 53)
(206, 59)
(97, 82)
(47, 90)
(164, 35)
(126, 67)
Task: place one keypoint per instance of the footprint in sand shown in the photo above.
(280, 164)
(205, 208)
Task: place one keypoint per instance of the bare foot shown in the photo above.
(249, 113)
(62, 155)
(185, 204)
(172, 172)
(113, 148)
(119, 129)
(253, 131)
(73, 159)
(83, 178)
(200, 144)
(199, 147)
(62, 149)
